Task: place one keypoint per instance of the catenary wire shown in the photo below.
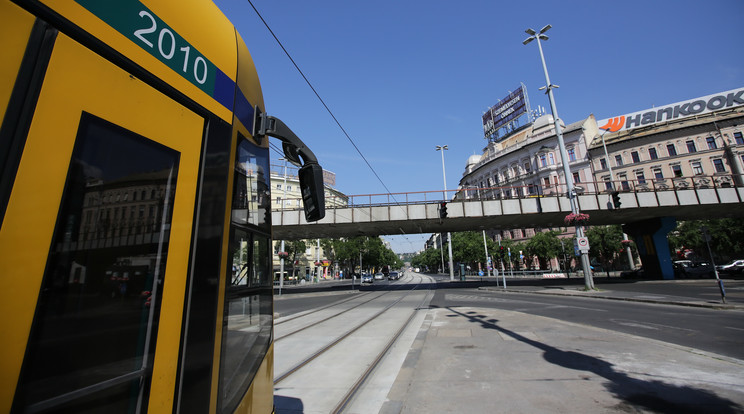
(328, 109)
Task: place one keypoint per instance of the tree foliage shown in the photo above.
(373, 253)
(544, 245)
(605, 244)
(727, 238)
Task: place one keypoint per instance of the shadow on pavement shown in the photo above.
(656, 396)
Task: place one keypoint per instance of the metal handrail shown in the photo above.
(695, 182)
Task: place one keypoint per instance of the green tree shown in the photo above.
(429, 259)
(467, 247)
(605, 244)
(544, 245)
(727, 238)
(294, 248)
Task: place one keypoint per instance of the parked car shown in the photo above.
(690, 269)
(734, 266)
(379, 276)
(366, 278)
(393, 276)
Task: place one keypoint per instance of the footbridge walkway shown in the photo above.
(683, 198)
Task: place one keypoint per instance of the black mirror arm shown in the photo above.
(295, 150)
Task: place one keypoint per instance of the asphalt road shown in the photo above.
(719, 331)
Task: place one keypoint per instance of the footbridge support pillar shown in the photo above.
(651, 238)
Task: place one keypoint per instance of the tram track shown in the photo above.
(320, 321)
(359, 384)
(363, 362)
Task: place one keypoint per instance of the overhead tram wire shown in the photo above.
(348, 137)
(346, 134)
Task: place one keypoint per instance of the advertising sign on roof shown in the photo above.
(679, 110)
(504, 112)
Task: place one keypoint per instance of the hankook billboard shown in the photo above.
(679, 110)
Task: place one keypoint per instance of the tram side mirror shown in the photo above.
(313, 196)
(296, 152)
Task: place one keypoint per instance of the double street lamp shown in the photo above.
(588, 281)
(444, 193)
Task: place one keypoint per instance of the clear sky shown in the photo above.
(403, 76)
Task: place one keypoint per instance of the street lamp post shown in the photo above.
(281, 259)
(612, 189)
(588, 281)
(444, 193)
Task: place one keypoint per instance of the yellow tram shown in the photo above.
(135, 238)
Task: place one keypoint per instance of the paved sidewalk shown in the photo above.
(476, 360)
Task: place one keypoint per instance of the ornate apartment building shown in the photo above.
(528, 163)
(704, 148)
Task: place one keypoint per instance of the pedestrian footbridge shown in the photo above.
(413, 213)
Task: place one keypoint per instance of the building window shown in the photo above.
(546, 182)
(634, 155)
(278, 186)
(608, 184)
(640, 177)
(691, 146)
(543, 160)
(571, 154)
(619, 160)
(576, 178)
(551, 159)
(603, 163)
(739, 138)
(658, 174)
(527, 168)
(671, 150)
(676, 170)
(697, 168)
(652, 153)
(624, 182)
(711, 143)
(718, 165)
(495, 179)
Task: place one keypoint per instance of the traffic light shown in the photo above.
(443, 210)
(616, 199)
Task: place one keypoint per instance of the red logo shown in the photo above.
(614, 124)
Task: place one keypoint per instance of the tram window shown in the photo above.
(249, 306)
(103, 278)
(249, 294)
(251, 198)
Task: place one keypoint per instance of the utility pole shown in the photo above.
(449, 236)
(588, 280)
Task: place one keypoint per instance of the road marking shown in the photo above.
(736, 329)
(648, 325)
(478, 298)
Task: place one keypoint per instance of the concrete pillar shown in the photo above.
(651, 239)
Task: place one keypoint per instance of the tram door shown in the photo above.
(95, 242)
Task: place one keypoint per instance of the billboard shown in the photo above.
(679, 110)
(504, 112)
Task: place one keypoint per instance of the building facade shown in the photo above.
(285, 191)
(703, 150)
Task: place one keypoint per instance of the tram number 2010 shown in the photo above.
(166, 41)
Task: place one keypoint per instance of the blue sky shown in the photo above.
(404, 76)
